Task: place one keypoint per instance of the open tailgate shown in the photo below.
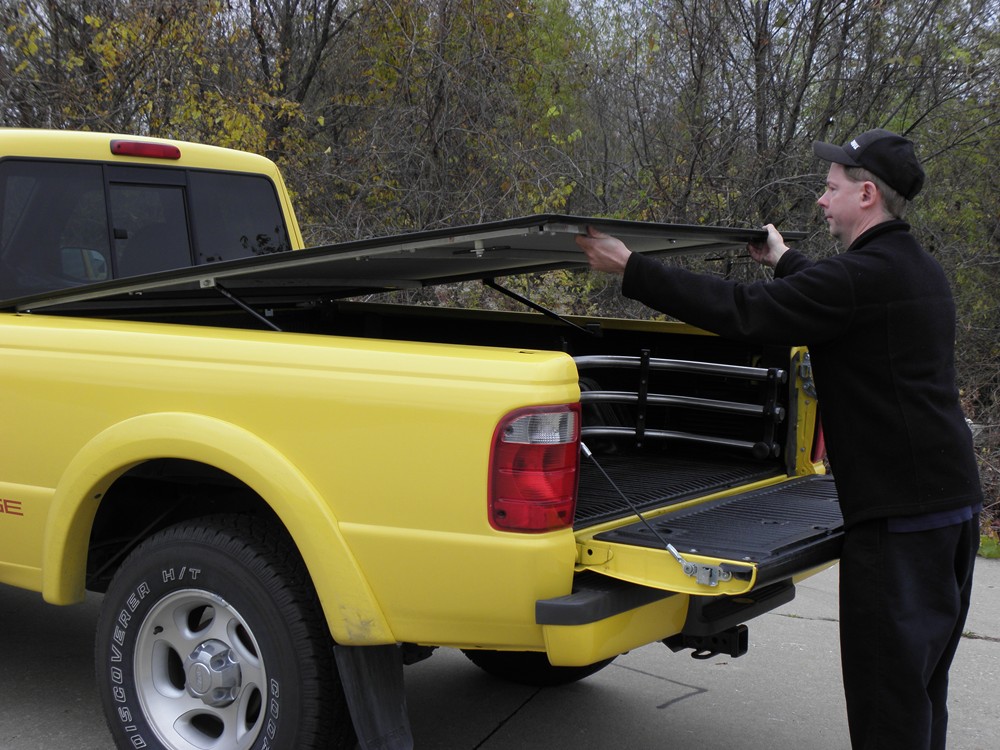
(729, 545)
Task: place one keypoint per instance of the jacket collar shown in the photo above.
(893, 225)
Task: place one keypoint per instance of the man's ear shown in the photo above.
(869, 194)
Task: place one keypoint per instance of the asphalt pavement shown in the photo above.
(785, 694)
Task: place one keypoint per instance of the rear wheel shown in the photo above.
(530, 667)
(211, 636)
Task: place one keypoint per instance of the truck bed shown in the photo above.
(654, 479)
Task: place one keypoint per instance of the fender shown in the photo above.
(353, 615)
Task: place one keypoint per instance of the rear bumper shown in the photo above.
(604, 617)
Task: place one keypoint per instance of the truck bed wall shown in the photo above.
(652, 471)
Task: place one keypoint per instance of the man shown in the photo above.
(879, 320)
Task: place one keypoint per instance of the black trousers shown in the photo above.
(904, 598)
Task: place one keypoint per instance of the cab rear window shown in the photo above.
(63, 224)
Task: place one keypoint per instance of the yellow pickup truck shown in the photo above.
(287, 487)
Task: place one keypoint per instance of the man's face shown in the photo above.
(841, 204)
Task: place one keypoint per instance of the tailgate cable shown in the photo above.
(707, 575)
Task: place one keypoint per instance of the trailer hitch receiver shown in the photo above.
(732, 642)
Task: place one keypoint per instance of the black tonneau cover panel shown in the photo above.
(784, 529)
(532, 243)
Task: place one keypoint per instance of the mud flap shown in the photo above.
(372, 677)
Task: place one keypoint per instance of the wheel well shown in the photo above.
(157, 494)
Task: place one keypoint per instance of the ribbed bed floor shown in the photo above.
(652, 480)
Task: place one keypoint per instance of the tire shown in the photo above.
(530, 667)
(210, 635)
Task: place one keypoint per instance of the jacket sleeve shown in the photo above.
(791, 262)
(813, 303)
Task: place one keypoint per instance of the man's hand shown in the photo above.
(605, 253)
(770, 251)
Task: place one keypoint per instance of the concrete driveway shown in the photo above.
(785, 694)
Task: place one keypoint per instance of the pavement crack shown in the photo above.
(500, 724)
(791, 616)
(978, 637)
(968, 634)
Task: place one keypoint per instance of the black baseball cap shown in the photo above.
(884, 154)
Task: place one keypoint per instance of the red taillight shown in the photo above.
(819, 443)
(145, 149)
(534, 468)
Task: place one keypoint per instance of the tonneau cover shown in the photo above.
(528, 244)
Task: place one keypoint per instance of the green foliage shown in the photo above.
(989, 547)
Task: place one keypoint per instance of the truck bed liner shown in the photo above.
(655, 480)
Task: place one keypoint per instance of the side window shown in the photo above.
(53, 227)
(235, 216)
(150, 228)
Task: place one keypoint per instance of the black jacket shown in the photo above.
(879, 321)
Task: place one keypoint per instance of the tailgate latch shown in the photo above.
(705, 575)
